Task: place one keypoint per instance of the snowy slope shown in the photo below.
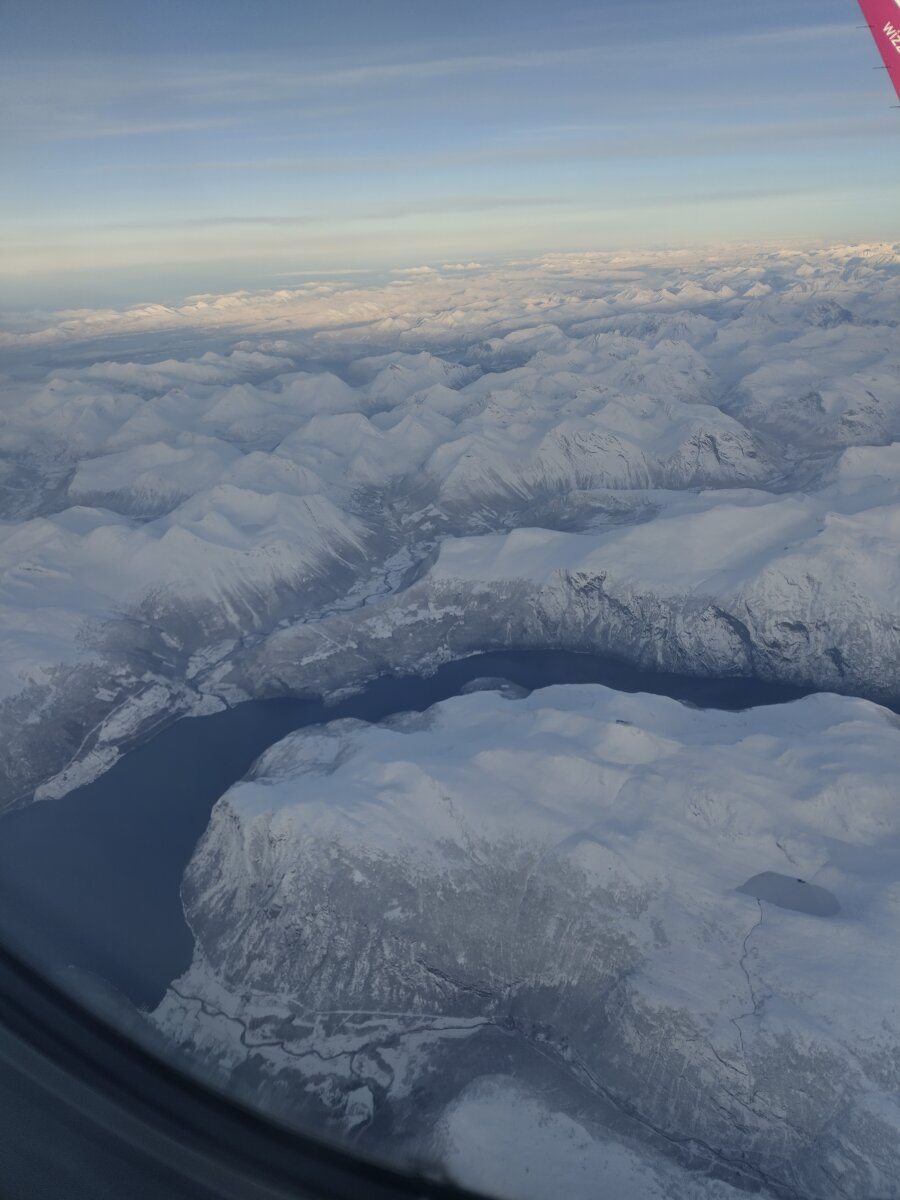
(561, 872)
(795, 587)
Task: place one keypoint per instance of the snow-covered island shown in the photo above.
(534, 940)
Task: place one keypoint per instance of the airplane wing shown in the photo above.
(883, 18)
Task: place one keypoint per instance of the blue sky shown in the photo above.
(157, 149)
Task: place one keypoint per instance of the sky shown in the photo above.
(157, 149)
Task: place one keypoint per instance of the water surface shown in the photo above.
(785, 891)
(92, 879)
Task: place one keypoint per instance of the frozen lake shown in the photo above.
(796, 894)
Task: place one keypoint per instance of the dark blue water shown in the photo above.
(92, 879)
(786, 891)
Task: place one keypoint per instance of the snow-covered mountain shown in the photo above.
(249, 464)
(507, 936)
(794, 587)
(386, 916)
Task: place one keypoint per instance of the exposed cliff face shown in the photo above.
(378, 909)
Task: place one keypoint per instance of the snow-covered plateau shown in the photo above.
(506, 937)
(445, 931)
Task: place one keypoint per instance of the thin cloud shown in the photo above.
(271, 77)
(84, 99)
(67, 100)
(324, 273)
(732, 138)
(174, 225)
(210, 222)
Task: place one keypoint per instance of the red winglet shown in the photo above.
(883, 17)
